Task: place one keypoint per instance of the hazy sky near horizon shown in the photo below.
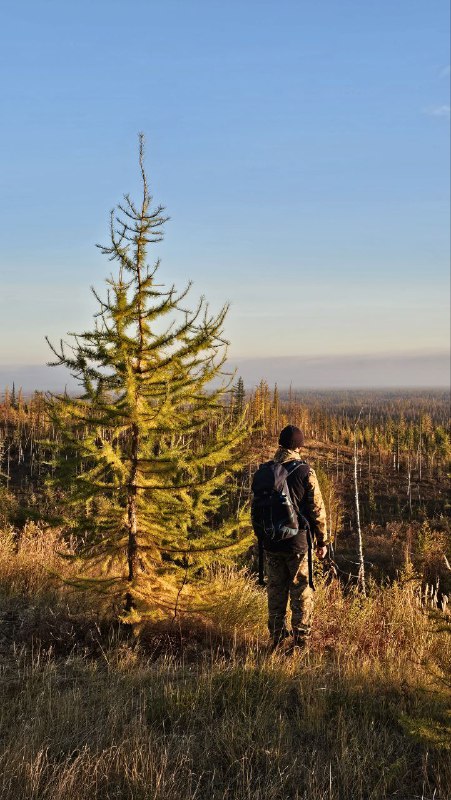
(301, 150)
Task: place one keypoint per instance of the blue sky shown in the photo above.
(301, 150)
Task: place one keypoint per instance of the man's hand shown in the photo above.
(321, 552)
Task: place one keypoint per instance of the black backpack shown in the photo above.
(274, 517)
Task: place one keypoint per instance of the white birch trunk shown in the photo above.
(361, 573)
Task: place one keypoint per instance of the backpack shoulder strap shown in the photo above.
(294, 465)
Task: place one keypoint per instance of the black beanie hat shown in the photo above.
(291, 438)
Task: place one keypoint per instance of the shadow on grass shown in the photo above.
(139, 719)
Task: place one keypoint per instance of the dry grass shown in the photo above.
(203, 710)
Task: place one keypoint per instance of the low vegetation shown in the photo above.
(199, 707)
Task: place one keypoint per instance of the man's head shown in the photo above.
(291, 438)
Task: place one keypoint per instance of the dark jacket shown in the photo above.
(307, 501)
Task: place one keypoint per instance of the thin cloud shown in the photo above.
(445, 72)
(438, 111)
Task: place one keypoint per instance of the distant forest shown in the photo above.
(403, 444)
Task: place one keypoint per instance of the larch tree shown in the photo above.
(238, 398)
(147, 453)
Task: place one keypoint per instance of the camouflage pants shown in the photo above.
(288, 577)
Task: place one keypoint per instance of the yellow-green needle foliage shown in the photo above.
(148, 453)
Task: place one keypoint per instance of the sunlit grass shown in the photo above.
(200, 708)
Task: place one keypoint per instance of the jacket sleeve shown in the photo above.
(315, 510)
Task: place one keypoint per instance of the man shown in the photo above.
(288, 560)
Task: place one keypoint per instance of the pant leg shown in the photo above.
(278, 587)
(301, 595)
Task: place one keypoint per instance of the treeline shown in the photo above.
(403, 447)
(403, 444)
(412, 425)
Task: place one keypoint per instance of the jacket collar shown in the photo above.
(282, 455)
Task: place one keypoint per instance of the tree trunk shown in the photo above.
(361, 574)
(132, 545)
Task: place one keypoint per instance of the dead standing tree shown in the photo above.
(361, 573)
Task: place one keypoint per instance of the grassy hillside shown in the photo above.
(199, 708)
